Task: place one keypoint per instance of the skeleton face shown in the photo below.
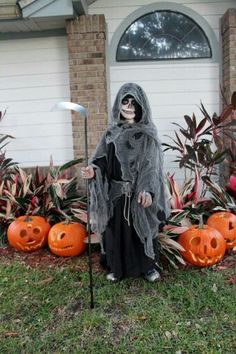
(128, 108)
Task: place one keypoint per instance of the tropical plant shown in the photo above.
(187, 198)
(168, 248)
(7, 176)
(5, 163)
(51, 194)
(201, 145)
(220, 197)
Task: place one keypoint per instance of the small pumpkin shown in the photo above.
(67, 239)
(204, 245)
(28, 233)
(225, 223)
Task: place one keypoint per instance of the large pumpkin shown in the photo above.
(203, 245)
(67, 239)
(225, 223)
(28, 233)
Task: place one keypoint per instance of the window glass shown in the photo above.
(163, 35)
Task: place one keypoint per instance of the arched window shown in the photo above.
(163, 35)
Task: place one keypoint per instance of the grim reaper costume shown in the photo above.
(128, 160)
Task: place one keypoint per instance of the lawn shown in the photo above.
(45, 308)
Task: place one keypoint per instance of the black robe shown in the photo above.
(124, 252)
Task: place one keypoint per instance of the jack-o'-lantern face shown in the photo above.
(203, 246)
(28, 233)
(67, 239)
(225, 223)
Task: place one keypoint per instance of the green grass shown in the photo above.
(47, 310)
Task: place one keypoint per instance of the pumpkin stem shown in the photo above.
(67, 221)
(201, 224)
(28, 218)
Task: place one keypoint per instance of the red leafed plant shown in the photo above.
(201, 148)
(231, 186)
(53, 195)
(201, 145)
(187, 195)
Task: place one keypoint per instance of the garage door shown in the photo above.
(34, 76)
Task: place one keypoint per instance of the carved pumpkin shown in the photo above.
(203, 245)
(28, 233)
(67, 239)
(225, 223)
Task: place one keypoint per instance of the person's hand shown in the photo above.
(87, 172)
(145, 199)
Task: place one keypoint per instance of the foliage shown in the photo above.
(186, 199)
(7, 176)
(188, 194)
(49, 194)
(200, 148)
(169, 248)
(53, 194)
(222, 200)
(201, 145)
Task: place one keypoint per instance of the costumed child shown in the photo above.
(127, 190)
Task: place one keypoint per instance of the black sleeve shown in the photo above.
(102, 164)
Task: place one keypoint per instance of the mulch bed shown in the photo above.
(43, 258)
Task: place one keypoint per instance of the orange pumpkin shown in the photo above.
(67, 239)
(28, 233)
(225, 223)
(203, 245)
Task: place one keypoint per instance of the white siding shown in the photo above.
(173, 88)
(115, 11)
(34, 76)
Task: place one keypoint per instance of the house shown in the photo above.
(182, 52)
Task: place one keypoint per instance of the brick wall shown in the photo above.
(88, 85)
(87, 65)
(228, 33)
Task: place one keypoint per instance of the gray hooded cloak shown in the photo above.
(139, 153)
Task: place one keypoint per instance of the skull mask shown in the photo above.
(130, 111)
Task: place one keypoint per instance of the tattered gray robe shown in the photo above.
(138, 150)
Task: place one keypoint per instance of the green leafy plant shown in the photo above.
(7, 176)
(169, 248)
(220, 197)
(201, 145)
(187, 195)
(50, 194)
(187, 198)
(200, 148)
(54, 194)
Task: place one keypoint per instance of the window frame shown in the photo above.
(162, 6)
(164, 59)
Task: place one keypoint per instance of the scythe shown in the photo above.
(83, 112)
